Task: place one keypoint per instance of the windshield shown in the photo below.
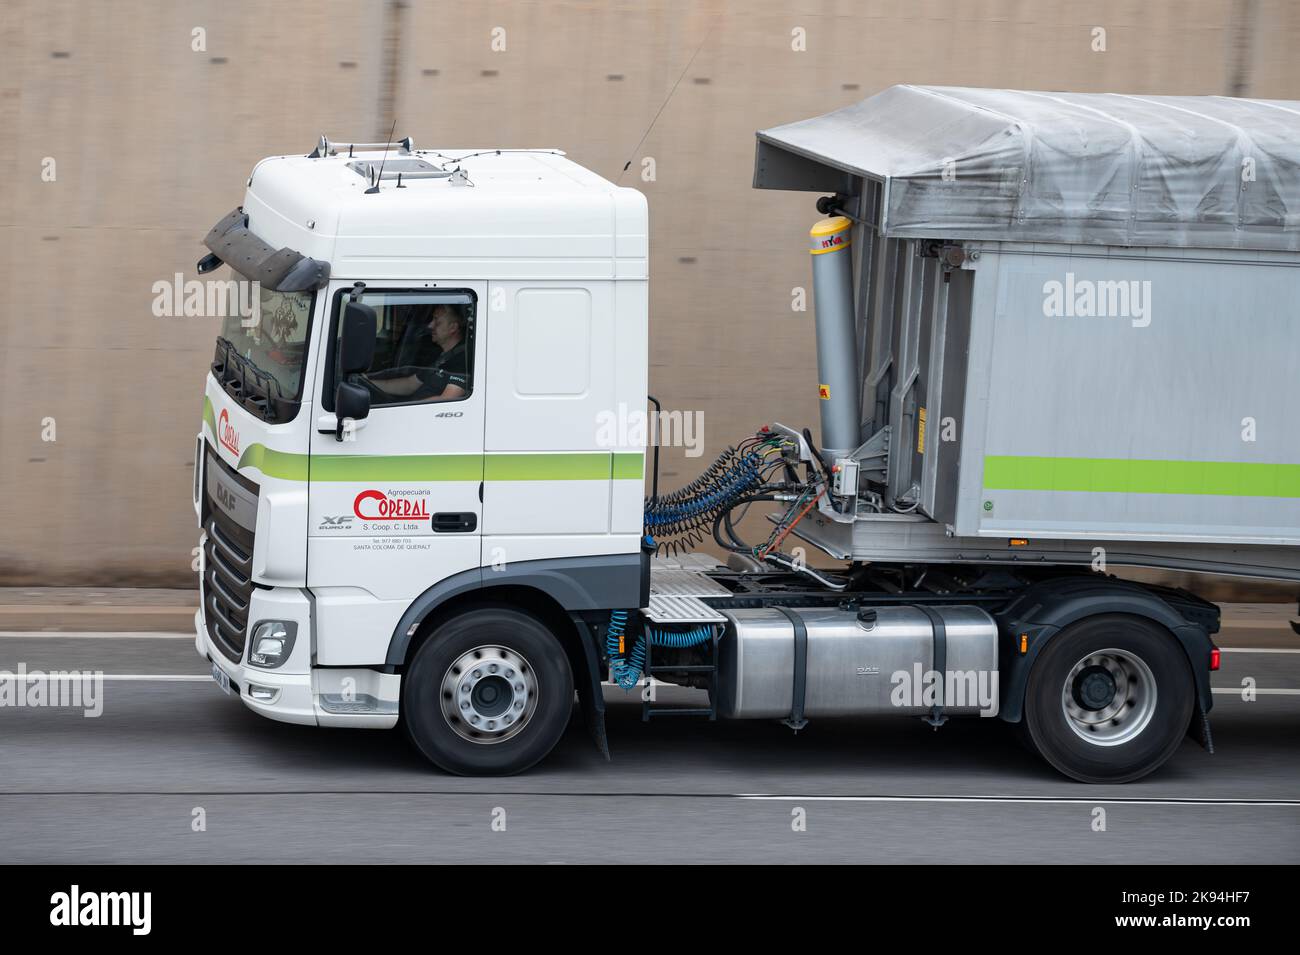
(262, 348)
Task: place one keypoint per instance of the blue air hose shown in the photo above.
(686, 638)
(626, 668)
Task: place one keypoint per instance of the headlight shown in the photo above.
(272, 643)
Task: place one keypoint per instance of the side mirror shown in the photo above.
(357, 342)
(351, 402)
(356, 352)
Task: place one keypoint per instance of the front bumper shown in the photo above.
(291, 704)
(299, 693)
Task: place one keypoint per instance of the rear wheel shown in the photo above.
(1109, 699)
(488, 694)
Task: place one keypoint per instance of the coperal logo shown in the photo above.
(226, 433)
(371, 505)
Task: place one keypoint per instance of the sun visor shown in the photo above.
(232, 243)
(1024, 166)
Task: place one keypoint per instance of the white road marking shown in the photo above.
(1032, 800)
(197, 678)
(99, 606)
(119, 677)
(90, 635)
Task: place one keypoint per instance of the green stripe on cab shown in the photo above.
(416, 468)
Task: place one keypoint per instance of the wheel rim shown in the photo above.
(489, 694)
(1109, 697)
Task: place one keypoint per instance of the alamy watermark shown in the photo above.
(1090, 298)
(209, 298)
(961, 689)
(637, 428)
(75, 689)
(78, 907)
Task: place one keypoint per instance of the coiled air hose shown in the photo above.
(626, 667)
(683, 638)
(626, 670)
(687, 514)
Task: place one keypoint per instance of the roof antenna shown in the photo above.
(375, 187)
(627, 165)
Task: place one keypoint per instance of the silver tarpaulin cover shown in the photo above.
(1101, 168)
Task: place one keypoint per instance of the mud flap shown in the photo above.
(591, 696)
(593, 714)
(1200, 729)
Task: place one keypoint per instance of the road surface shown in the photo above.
(170, 749)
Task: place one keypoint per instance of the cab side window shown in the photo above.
(424, 347)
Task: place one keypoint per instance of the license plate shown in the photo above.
(223, 681)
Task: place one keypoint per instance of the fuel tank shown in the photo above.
(874, 660)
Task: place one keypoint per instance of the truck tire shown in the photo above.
(488, 694)
(1109, 699)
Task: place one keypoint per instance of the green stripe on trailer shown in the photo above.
(1124, 476)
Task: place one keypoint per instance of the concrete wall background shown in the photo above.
(152, 142)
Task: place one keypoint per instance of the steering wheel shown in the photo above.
(376, 392)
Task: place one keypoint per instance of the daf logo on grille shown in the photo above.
(235, 503)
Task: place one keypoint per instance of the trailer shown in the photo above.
(1074, 310)
(1052, 339)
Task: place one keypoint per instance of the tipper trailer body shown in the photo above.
(1053, 337)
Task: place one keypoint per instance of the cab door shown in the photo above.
(396, 506)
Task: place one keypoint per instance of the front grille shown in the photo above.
(227, 589)
(227, 573)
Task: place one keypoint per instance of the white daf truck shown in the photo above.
(412, 511)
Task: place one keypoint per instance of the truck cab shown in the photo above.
(408, 419)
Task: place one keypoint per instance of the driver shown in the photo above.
(447, 377)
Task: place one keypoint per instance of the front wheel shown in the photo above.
(489, 693)
(1109, 699)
